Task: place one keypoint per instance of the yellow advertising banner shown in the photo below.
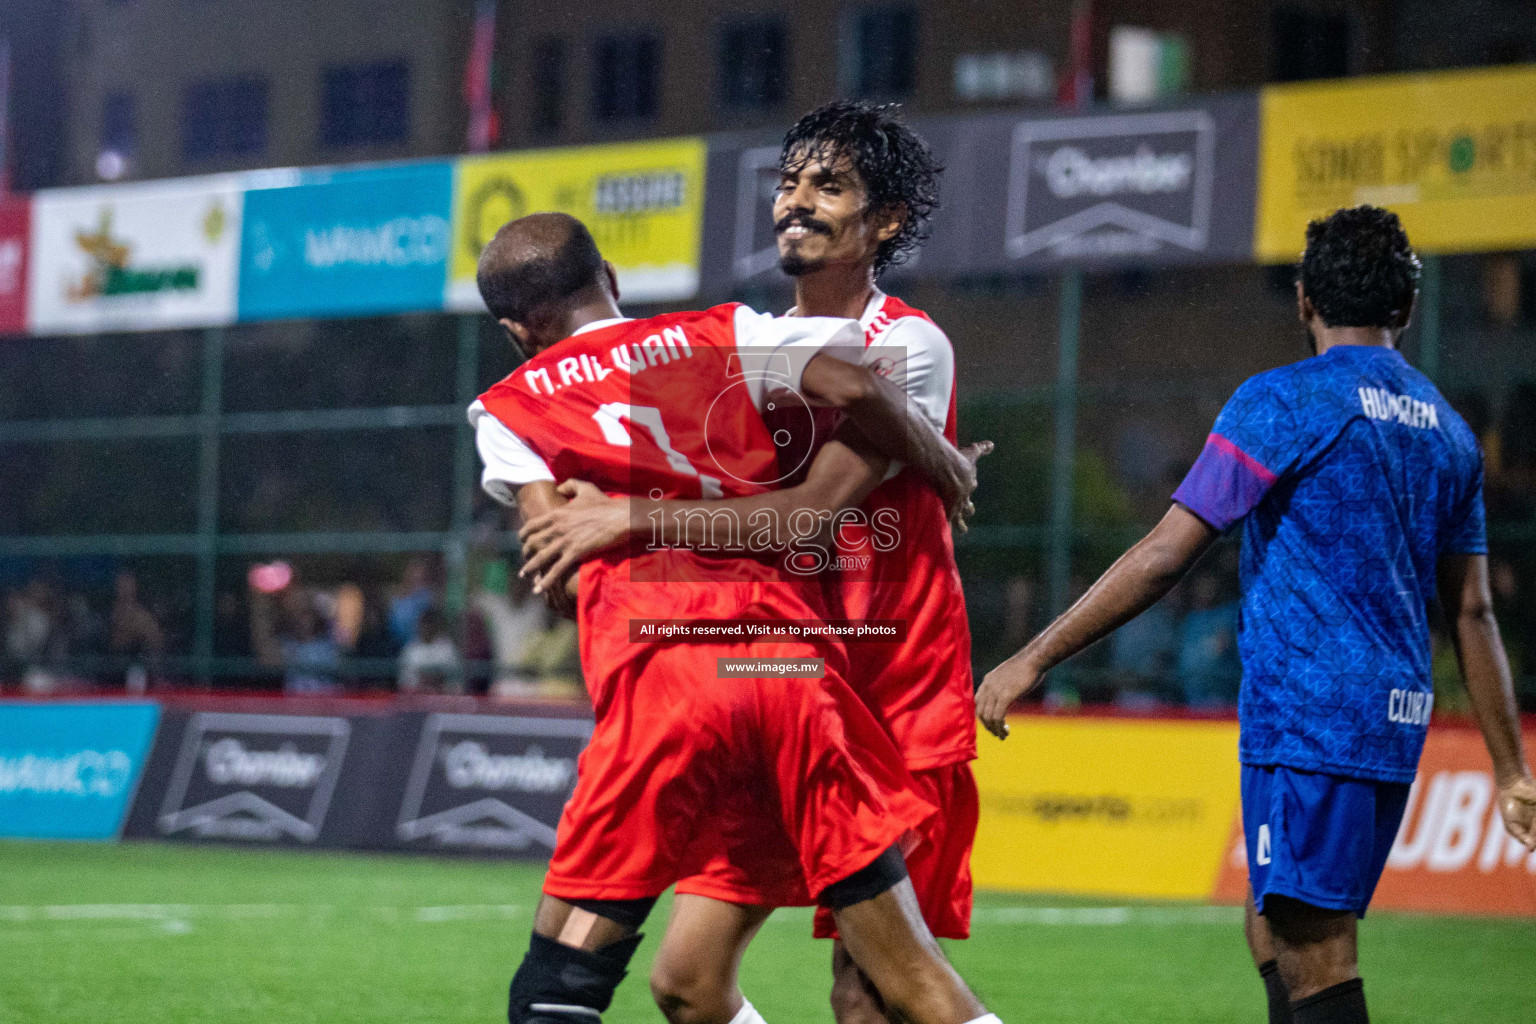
(1453, 154)
(643, 201)
(1106, 806)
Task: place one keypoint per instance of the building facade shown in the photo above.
(156, 88)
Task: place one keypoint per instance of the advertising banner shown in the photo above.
(135, 257)
(263, 778)
(1454, 154)
(374, 240)
(1107, 807)
(1452, 854)
(490, 782)
(15, 236)
(466, 783)
(1154, 187)
(68, 770)
(1033, 193)
(643, 201)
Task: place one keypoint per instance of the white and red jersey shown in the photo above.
(668, 407)
(920, 689)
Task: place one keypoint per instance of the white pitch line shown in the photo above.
(442, 914)
(1107, 915)
(22, 913)
(1075, 916)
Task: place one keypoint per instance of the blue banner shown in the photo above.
(68, 771)
(347, 242)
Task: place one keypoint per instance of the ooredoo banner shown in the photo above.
(15, 237)
(135, 257)
(374, 240)
(1452, 854)
(1454, 154)
(69, 770)
(643, 201)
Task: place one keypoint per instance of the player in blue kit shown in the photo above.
(1360, 493)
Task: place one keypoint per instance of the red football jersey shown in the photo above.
(921, 689)
(667, 407)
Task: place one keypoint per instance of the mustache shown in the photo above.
(805, 220)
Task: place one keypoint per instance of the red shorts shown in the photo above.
(679, 758)
(756, 865)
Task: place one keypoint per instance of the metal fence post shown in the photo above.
(208, 501)
(456, 551)
(1429, 318)
(1069, 327)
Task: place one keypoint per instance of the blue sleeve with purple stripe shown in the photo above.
(1253, 443)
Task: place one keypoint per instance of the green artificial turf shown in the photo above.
(97, 934)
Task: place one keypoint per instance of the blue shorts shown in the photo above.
(1320, 839)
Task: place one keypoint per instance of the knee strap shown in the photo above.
(559, 984)
(884, 872)
(630, 913)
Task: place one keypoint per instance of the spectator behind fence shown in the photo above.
(1209, 669)
(413, 596)
(375, 643)
(430, 662)
(1142, 652)
(27, 628)
(535, 651)
(294, 629)
(134, 633)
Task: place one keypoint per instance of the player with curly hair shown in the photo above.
(856, 191)
(1361, 497)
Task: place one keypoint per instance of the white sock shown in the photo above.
(748, 1014)
(990, 1018)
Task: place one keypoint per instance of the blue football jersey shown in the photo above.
(1355, 475)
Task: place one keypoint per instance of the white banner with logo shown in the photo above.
(136, 257)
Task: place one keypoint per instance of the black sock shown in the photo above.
(1341, 1004)
(1274, 988)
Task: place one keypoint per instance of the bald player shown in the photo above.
(671, 406)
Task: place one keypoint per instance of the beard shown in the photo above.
(791, 261)
(795, 265)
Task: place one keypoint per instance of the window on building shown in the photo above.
(548, 85)
(119, 136)
(1310, 44)
(226, 117)
(752, 55)
(626, 76)
(879, 52)
(365, 104)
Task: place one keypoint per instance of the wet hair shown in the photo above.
(1359, 270)
(896, 165)
(535, 263)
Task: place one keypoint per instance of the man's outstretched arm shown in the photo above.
(841, 476)
(1133, 584)
(1468, 606)
(894, 423)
